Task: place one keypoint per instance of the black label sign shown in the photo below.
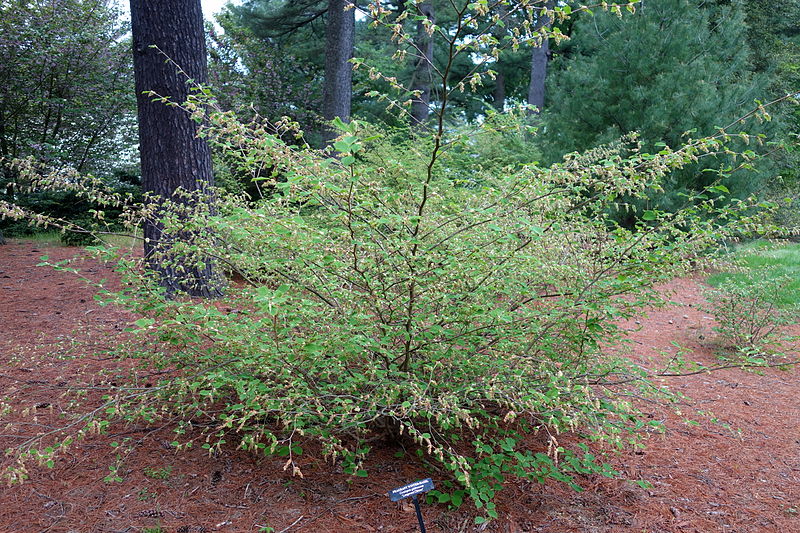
(412, 489)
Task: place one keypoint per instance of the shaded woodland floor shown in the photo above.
(735, 468)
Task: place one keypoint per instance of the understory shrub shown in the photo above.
(749, 314)
(456, 318)
(80, 206)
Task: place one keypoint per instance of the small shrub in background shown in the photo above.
(749, 314)
(83, 236)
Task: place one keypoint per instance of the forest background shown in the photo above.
(68, 97)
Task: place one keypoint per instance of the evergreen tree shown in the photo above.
(251, 74)
(321, 32)
(674, 66)
(774, 38)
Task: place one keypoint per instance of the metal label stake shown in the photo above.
(413, 490)
(419, 513)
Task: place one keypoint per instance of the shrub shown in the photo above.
(83, 236)
(748, 312)
(457, 317)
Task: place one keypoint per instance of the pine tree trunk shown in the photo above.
(339, 38)
(423, 71)
(499, 32)
(499, 92)
(539, 58)
(172, 155)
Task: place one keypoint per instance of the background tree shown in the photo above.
(66, 97)
(657, 74)
(252, 75)
(339, 37)
(774, 38)
(423, 63)
(320, 32)
(176, 163)
(540, 55)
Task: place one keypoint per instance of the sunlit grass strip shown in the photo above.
(773, 260)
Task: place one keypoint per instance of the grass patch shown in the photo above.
(772, 261)
(43, 238)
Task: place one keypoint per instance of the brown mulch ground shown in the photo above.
(734, 469)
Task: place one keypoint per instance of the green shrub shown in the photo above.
(455, 318)
(82, 234)
(748, 311)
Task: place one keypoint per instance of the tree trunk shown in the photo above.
(339, 38)
(423, 71)
(499, 92)
(539, 58)
(499, 32)
(173, 157)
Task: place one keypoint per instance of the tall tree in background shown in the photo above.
(423, 69)
(65, 90)
(66, 98)
(658, 74)
(540, 55)
(322, 32)
(250, 75)
(339, 39)
(174, 160)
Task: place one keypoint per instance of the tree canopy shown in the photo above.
(672, 67)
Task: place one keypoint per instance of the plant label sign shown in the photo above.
(412, 489)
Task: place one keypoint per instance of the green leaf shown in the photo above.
(457, 498)
(342, 146)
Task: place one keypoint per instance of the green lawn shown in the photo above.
(772, 260)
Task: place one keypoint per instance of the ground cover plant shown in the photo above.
(395, 299)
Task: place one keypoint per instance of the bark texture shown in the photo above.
(423, 71)
(499, 32)
(499, 92)
(539, 58)
(339, 39)
(172, 155)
